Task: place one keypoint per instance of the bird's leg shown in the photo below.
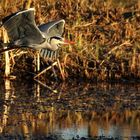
(61, 71)
(55, 63)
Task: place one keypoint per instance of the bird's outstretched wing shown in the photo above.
(22, 29)
(53, 28)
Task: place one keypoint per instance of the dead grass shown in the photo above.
(107, 35)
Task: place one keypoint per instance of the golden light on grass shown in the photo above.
(97, 28)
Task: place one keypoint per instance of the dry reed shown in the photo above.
(107, 36)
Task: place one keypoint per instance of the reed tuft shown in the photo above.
(106, 35)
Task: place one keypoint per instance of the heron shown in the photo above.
(23, 32)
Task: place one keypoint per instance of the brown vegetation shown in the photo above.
(33, 111)
(107, 36)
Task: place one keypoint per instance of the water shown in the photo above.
(77, 111)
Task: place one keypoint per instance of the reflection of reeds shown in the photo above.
(107, 36)
(42, 114)
(43, 124)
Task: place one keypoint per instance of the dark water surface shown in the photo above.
(73, 111)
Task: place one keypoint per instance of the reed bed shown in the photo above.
(106, 36)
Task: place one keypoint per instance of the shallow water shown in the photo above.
(76, 111)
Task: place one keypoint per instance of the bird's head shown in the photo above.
(56, 40)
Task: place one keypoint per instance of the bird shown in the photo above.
(23, 31)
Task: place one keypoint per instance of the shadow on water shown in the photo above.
(76, 111)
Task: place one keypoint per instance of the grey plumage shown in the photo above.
(49, 54)
(51, 29)
(23, 31)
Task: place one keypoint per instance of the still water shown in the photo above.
(65, 111)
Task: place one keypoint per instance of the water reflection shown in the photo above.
(8, 97)
(78, 110)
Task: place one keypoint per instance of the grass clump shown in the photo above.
(106, 35)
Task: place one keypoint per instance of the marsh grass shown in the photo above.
(106, 36)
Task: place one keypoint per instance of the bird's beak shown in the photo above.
(68, 42)
(62, 41)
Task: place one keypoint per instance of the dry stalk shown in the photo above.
(106, 56)
(7, 58)
(90, 23)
